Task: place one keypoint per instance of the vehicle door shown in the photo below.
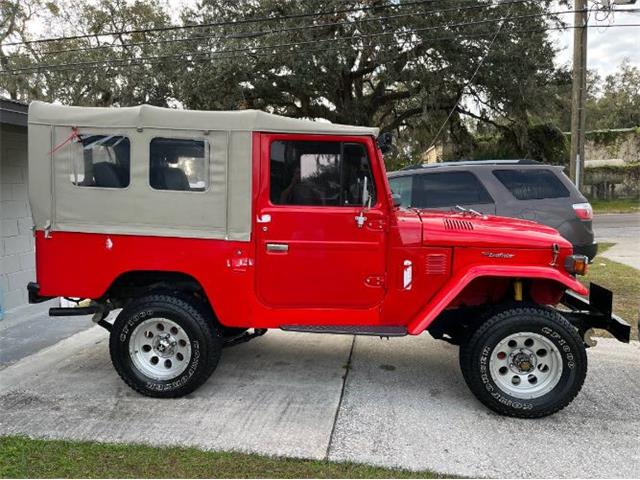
(318, 245)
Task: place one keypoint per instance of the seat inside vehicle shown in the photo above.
(106, 175)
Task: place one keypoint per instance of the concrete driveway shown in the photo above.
(399, 403)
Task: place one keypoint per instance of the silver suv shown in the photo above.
(511, 188)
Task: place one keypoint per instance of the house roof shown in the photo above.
(13, 112)
(147, 116)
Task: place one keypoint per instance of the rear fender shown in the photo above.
(458, 282)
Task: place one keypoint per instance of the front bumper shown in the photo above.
(595, 312)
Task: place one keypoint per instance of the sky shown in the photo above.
(607, 47)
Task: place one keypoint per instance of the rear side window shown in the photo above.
(448, 189)
(319, 173)
(101, 161)
(402, 186)
(178, 164)
(532, 184)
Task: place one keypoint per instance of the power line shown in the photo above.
(218, 55)
(290, 44)
(252, 34)
(221, 24)
(467, 83)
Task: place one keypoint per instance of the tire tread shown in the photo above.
(205, 323)
(506, 314)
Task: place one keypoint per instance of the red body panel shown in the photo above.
(402, 268)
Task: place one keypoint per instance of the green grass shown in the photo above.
(620, 205)
(623, 281)
(22, 457)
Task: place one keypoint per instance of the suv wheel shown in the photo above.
(524, 361)
(164, 345)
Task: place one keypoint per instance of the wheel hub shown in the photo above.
(526, 365)
(164, 345)
(522, 361)
(160, 348)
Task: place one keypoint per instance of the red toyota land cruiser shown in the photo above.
(208, 228)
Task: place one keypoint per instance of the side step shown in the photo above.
(373, 330)
(73, 311)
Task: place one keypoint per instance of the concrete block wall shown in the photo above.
(17, 259)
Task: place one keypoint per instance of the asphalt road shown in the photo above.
(617, 227)
(401, 403)
(623, 229)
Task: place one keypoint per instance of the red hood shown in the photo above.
(463, 229)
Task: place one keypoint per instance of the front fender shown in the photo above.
(460, 280)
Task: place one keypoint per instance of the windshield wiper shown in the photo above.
(470, 211)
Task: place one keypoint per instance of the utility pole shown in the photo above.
(579, 93)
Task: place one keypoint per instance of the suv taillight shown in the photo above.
(583, 211)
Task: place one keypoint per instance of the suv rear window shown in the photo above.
(448, 189)
(532, 184)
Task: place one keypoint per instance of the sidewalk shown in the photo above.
(626, 252)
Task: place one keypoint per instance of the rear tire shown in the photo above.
(524, 361)
(164, 345)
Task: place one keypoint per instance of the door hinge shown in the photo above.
(377, 225)
(375, 281)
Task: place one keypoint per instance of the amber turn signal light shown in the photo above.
(577, 264)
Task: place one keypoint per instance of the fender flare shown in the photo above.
(458, 282)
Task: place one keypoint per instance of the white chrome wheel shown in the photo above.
(160, 348)
(526, 365)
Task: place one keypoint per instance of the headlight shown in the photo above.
(576, 264)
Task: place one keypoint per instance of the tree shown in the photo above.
(404, 66)
(616, 103)
(96, 83)
(400, 68)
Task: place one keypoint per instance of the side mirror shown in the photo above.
(385, 142)
(396, 199)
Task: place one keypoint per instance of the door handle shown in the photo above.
(277, 247)
(360, 219)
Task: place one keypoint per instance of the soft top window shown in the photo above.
(532, 183)
(101, 161)
(178, 164)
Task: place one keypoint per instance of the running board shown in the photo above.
(375, 330)
(73, 311)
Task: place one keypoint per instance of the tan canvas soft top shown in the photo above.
(222, 211)
(147, 116)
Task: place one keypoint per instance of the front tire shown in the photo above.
(524, 361)
(164, 345)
